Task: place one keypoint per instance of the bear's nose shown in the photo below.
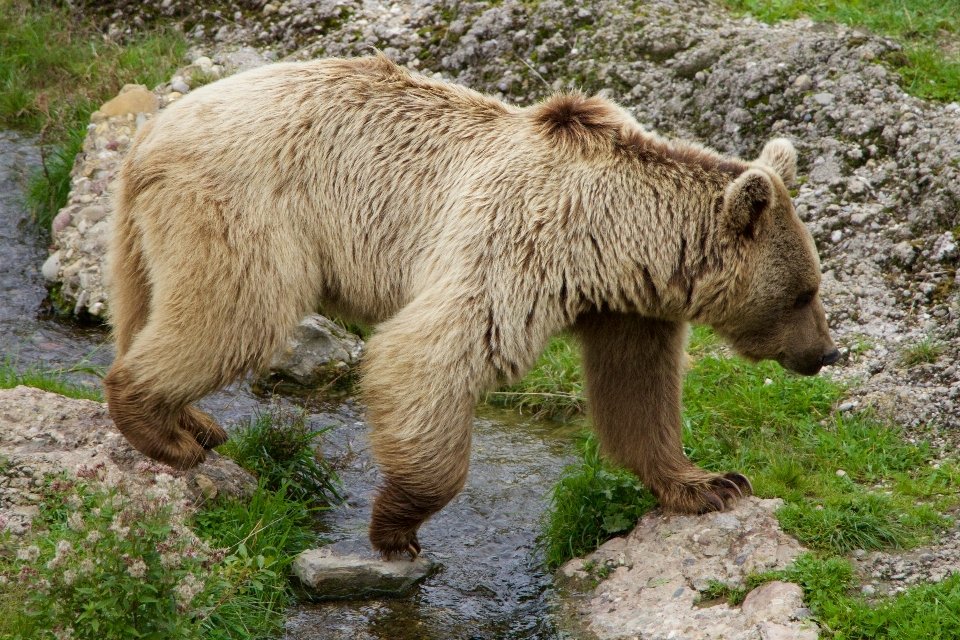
(830, 358)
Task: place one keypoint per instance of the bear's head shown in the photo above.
(777, 313)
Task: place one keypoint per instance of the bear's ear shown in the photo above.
(745, 200)
(779, 155)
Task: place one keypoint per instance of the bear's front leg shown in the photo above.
(422, 374)
(634, 376)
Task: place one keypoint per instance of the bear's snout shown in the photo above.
(830, 358)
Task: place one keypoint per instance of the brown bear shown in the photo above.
(471, 231)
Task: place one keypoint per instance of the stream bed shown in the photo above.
(490, 583)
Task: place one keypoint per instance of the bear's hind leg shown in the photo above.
(634, 375)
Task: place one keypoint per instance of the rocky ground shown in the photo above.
(45, 435)
(879, 170)
(650, 582)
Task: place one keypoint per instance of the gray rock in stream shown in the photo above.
(326, 574)
(319, 351)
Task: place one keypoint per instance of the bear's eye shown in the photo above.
(803, 300)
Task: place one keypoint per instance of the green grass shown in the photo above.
(265, 532)
(553, 389)
(279, 447)
(928, 29)
(777, 429)
(56, 68)
(52, 380)
(592, 502)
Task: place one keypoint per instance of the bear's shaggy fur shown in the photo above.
(471, 231)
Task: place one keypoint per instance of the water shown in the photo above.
(490, 583)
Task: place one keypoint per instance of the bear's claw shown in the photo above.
(713, 493)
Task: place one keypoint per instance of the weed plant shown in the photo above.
(56, 68)
(849, 481)
(928, 29)
(279, 447)
(111, 558)
(592, 502)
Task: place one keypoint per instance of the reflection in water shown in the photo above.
(490, 583)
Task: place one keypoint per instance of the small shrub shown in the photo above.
(122, 564)
(279, 447)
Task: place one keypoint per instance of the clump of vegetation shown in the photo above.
(554, 387)
(279, 447)
(926, 351)
(929, 31)
(56, 68)
(112, 558)
(593, 501)
(848, 480)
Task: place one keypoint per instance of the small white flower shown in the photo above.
(65, 634)
(29, 554)
(187, 590)
(86, 566)
(94, 536)
(169, 560)
(69, 577)
(76, 522)
(138, 569)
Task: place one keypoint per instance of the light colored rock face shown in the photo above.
(325, 574)
(656, 574)
(318, 351)
(81, 230)
(45, 434)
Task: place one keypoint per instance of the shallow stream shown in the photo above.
(490, 583)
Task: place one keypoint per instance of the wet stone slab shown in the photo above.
(329, 574)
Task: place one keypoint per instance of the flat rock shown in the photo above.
(326, 574)
(45, 434)
(654, 576)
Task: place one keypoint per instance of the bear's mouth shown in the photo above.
(802, 366)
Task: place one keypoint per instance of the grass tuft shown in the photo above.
(266, 532)
(49, 186)
(926, 351)
(279, 447)
(52, 380)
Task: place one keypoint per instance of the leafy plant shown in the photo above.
(593, 501)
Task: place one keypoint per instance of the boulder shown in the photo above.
(133, 99)
(651, 580)
(319, 351)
